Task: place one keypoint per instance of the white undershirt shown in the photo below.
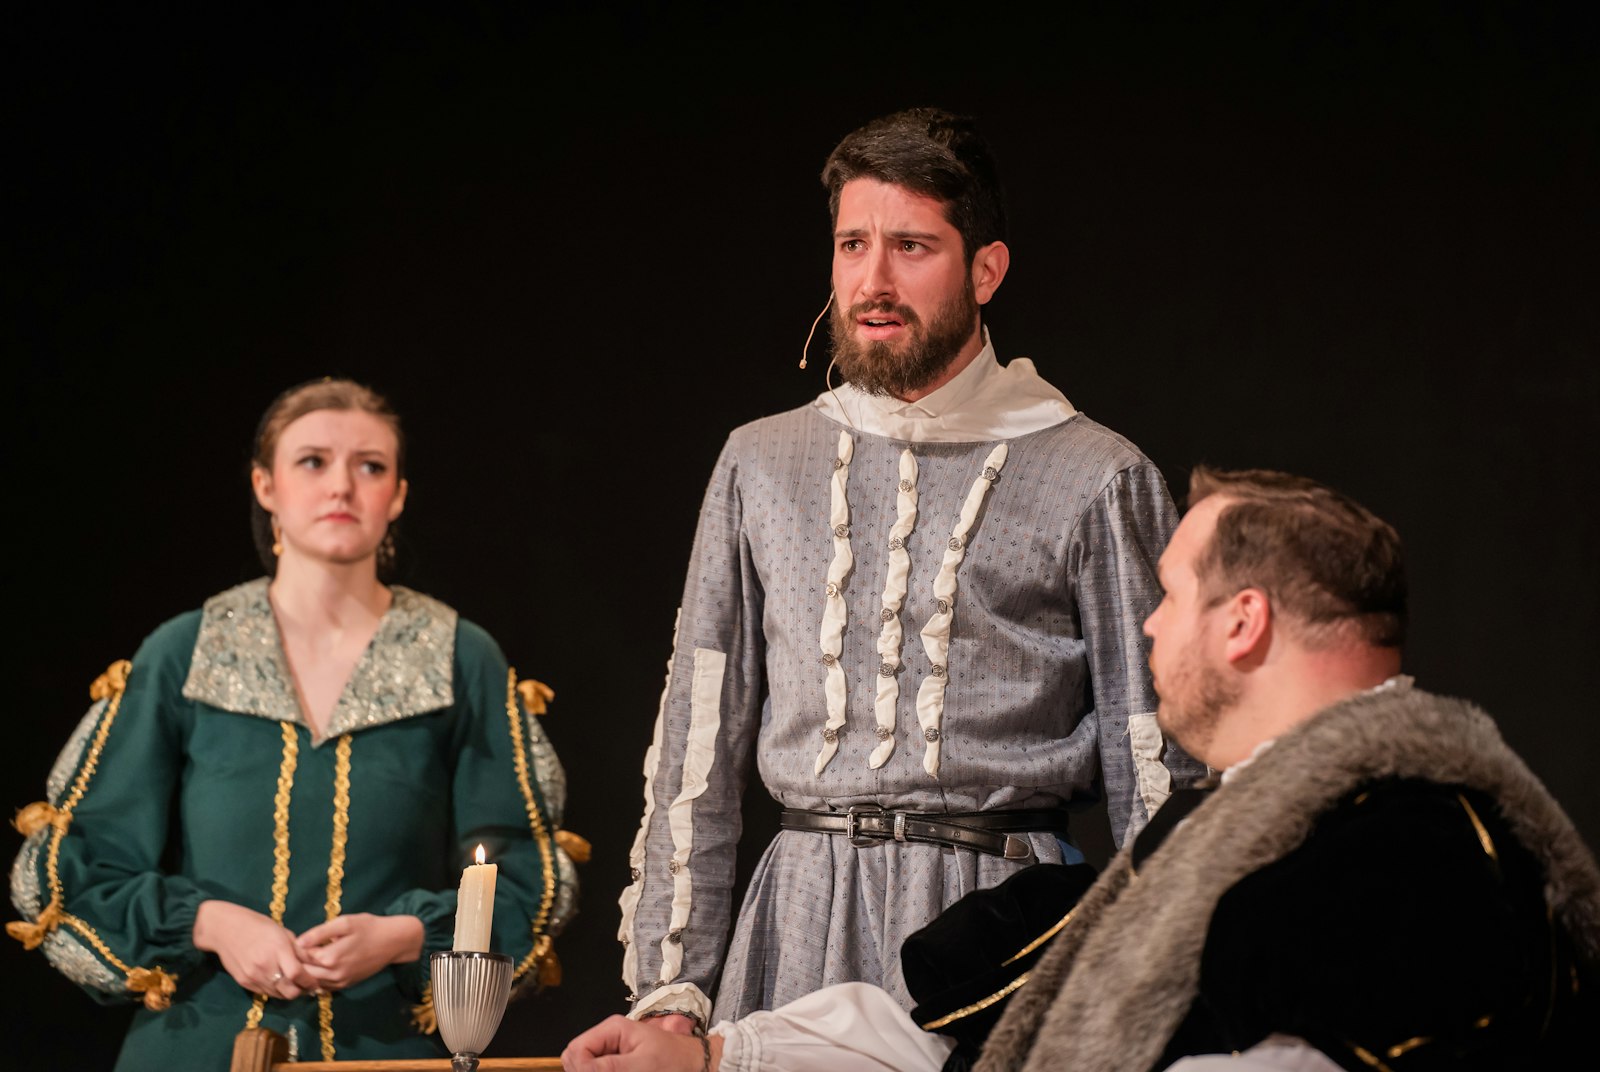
(1397, 681)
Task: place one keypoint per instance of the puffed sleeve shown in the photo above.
(676, 911)
(507, 793)
(847, 1027)
(1117, 545)
(88, 880)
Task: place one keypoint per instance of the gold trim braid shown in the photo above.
(978, 1006)
(1014, 985)
(155, 984)
(1367, 1057)
(341, 827)
(280, 846)
(1483, 833)
(1039, 941)
(542, 955)
(341, 837)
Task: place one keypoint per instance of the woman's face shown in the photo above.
(333, 486)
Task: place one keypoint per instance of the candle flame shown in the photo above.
(479, 854)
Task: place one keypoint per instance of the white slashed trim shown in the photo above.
(676, 996)
(705, 717)
(936, 633)
(629, 901)
(894, 597)
(833, 608)
(1152, 776)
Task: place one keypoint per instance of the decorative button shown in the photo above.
(632, 996)
(624, 941)
(673, 867)
(895, 543)
(944, 606)
(955, 543)
(930, 734)
(886, 670)
(838, 463)
(886, 615)
(991, 474)
(841, 530)
(906, 486)
(829, 733)
(675, 937)
(832, 589)
(937, 670)
(635, 873)
(828, 658)
(884, 733)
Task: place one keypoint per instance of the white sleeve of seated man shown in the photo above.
(1275, 1053)
(851, 1027)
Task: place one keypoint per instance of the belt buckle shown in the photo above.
(852, 823)
(1017, 848)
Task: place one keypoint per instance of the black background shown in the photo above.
(577, 245)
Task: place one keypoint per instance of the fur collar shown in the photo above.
(1120, 979)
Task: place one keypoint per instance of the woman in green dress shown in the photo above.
(262, 819)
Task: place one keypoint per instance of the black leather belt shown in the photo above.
(992, 832)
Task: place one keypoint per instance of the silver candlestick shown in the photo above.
(470, 991)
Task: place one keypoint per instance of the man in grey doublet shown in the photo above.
(923, 597)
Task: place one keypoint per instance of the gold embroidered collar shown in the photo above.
(238, 663)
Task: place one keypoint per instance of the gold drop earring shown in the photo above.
(277, 537)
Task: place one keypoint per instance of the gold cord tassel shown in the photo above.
(38, 815)
(550, 970)
(156, 986)
(112, 682)
(423, 1015)
(573, 845)
(536, 696)
(32, 934)
(548, 964)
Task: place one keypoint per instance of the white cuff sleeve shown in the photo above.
(851, 1027)
(675, 996)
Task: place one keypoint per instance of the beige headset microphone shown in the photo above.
(828, 376)
(813, 330)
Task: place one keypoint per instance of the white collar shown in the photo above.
(983, 402)
(1398, 681)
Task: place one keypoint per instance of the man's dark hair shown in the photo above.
(930, 152)
(1321, 557)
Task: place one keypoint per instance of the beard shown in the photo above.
(880, 368)
(1193, 698)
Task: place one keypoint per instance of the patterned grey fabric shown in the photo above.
(1046, 664)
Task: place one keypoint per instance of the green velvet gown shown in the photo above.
(194, 776)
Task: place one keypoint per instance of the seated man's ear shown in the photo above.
(1248, 626)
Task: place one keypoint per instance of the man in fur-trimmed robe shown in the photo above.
(1377, 882)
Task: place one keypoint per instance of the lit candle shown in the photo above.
(475, 905)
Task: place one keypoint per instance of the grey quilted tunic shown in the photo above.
(1042, 697)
